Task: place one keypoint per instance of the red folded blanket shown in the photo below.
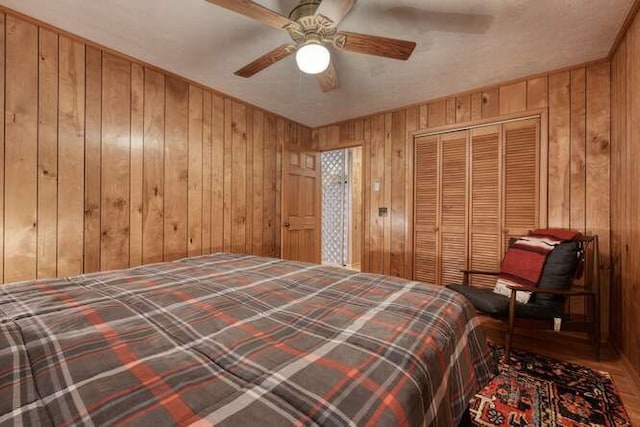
(524, 261)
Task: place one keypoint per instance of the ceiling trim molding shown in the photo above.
(472, 91)
(110, 51)
(631, 16)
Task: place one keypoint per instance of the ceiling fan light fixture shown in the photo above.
(313, 58)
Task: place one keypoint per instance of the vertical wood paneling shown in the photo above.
(153, 167)
(463, 109)
(625, 197)
(258, 196)
(176, 172)
(578, 153)
(598, 169)
(559, 149)
(398, 202)
(48, 155)
(490, 103)
(21, 150)
(136, 172)
(239, 177)
(227, 175)
(116, 146)
(109, 164)
(194, 203)
(538, 93)
(218, 216)
(2, 137)
(92, 159)
(71, 119)
(376, 225)
(207, 172)
(513, 98)
(248, 219)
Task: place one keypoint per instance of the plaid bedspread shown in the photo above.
(237, 341)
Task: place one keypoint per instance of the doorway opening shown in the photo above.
(342, 207)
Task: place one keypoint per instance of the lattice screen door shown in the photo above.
(335, 207)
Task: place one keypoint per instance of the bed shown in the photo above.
(234, 340)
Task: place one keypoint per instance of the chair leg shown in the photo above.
(596, 328)
(512, 315)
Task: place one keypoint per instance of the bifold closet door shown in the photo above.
(453, 207)
(521, 178)
(485, 237)
(427, 178)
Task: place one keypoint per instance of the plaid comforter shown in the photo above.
(237, 341)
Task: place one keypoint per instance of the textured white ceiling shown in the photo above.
(462, 44)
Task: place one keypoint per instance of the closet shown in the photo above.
(474, 189)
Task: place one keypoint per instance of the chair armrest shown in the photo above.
(486, 273)
(465, 279)
(564, 292)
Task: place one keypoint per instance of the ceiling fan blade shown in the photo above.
(328, 80)
(335, 10)
(254, 10)
(266, 60)
(378, 46)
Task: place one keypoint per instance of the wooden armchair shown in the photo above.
(547, 308)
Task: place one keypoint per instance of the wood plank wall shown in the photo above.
(625, 194)
(578, 160)
(109, 163)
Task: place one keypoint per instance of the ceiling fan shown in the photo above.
(312, 27)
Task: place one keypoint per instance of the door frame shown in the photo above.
(542, 114)
(363, 183)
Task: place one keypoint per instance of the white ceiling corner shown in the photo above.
(462, 44)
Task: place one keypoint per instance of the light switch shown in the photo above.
(376, 185)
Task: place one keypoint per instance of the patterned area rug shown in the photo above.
(538, 391)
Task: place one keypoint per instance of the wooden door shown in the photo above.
(521, 178)
(301, 187)
(425, 265)
(453, 206)
(485, 238)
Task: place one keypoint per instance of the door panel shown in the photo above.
(426, 209)
(453, 207)
(301, 205)
(485, 237)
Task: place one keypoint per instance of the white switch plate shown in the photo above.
(376, 185)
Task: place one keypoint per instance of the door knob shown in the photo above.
(286, 224)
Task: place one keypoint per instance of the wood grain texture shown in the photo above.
(136, 165)
(328, 80)
(116, 146)
(47, 154)
(379, 46)
(254, 10)
(21, 150)
(267, 60)
(109, 163)
(194, 193)
(92, 159)
(2, 136)
(71, 123)
(176, 168)
(625, 197)
(153, 165)
(559, 149)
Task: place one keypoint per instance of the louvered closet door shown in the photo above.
(426, 209)
(485, 237)
(521, 177)
(453, 207)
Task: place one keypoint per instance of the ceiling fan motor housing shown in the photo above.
(307, 27)
(306, 8)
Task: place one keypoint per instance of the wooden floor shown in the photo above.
(575, 349)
